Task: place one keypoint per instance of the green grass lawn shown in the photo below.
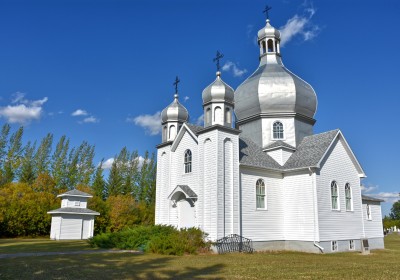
(380, 264)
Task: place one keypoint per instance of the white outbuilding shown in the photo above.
(73, 220)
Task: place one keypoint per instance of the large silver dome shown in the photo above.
(218, 91)
(272, 89)
(175, 112)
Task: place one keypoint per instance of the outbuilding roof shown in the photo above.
(75, 192)
(71, 210)
(251, 154)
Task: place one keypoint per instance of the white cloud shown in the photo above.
(79, 112)
(23, 111)
(186, 98)
(151, 123)
(108, 163)
(369, 188)
(389, 197)
(90, 119)
(236, 71)
(300, 25)
(200, 120)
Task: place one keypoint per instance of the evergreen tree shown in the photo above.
(99, 184)
(27, 171)
(115, 179)
(59, 170)
(5, 131)
(13, 157)
(42, 156)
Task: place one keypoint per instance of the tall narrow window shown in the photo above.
(334, 246)
(369, 214)
(228, 118)
(270, 45)
(208, 116)
(277, 130)
(347, 191)
(260, 194)
(264, 48)
(334, 195)
(188, 161)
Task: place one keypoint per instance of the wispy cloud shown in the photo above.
(186, 98)
(300, 25)
(108, 163)
(90, 119)
(22, 110)
(151, 123)
(200, 120)
(79, 112)
(231, 66)
(369, 188)
(389, 197)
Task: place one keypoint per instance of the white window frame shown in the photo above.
(261, 194)
(187, 162)
(77, 203)
(334, 246)
(352, 246)
(369, 212)
(282, 132)
(348, 199)
(334, 183)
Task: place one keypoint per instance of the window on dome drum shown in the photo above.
(228, 115)
(334, 195)
(369, 214)
(347, 191)
(278, 130)
(264, 48)
(334, 246)
(188, 161)
(270, 45)
(351, 245)
(208, 116)
(260, 194)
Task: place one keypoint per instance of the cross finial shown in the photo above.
(176, 84)
(217, 58)
(266, 10)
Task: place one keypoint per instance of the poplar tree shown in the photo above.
(59, 170)
(42, 156)
(27, 171)
(13, 157)
(99, 184)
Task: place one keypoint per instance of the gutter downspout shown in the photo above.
(314, 209)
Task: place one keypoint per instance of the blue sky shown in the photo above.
(101, 71)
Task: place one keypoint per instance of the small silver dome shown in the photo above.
(268, 31)
(218, 91)
(175, 112)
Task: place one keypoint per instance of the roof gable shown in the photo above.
(185, 128)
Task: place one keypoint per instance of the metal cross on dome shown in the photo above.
(176, 84)
(266, 10)
(217, 58)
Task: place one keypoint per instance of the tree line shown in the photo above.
(34, 173)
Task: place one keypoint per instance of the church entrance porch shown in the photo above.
(183, 199)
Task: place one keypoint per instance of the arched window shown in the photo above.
(276, 46)
(264, 48)
(165, 135)
(228, 117)
(369, 214)
(208, 116)
(278, 130)
(334, 196)
(270, 45)
(218, 115)
(347, 191)
(188, 161)
(172, 132)
(260, 194)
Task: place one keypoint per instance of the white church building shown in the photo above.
(265, 176)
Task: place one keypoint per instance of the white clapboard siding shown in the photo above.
(162, 185)
(339, 224)
(71, 227)
(298, 196)
(373, 228)
(262, 224)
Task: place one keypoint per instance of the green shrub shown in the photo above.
(160, 239)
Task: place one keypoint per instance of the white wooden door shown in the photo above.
(185, 214)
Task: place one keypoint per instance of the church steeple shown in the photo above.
(173, 117)
(269, 40)
(218, 101)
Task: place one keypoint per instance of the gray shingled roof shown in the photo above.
(369, 198)
(252, 155)
(75, 192)
(279, 144)
(70, 210)
(194, 128)
(311, 150)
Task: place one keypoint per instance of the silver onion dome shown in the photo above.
(272, 89)
(218, 91)
(175, 112)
